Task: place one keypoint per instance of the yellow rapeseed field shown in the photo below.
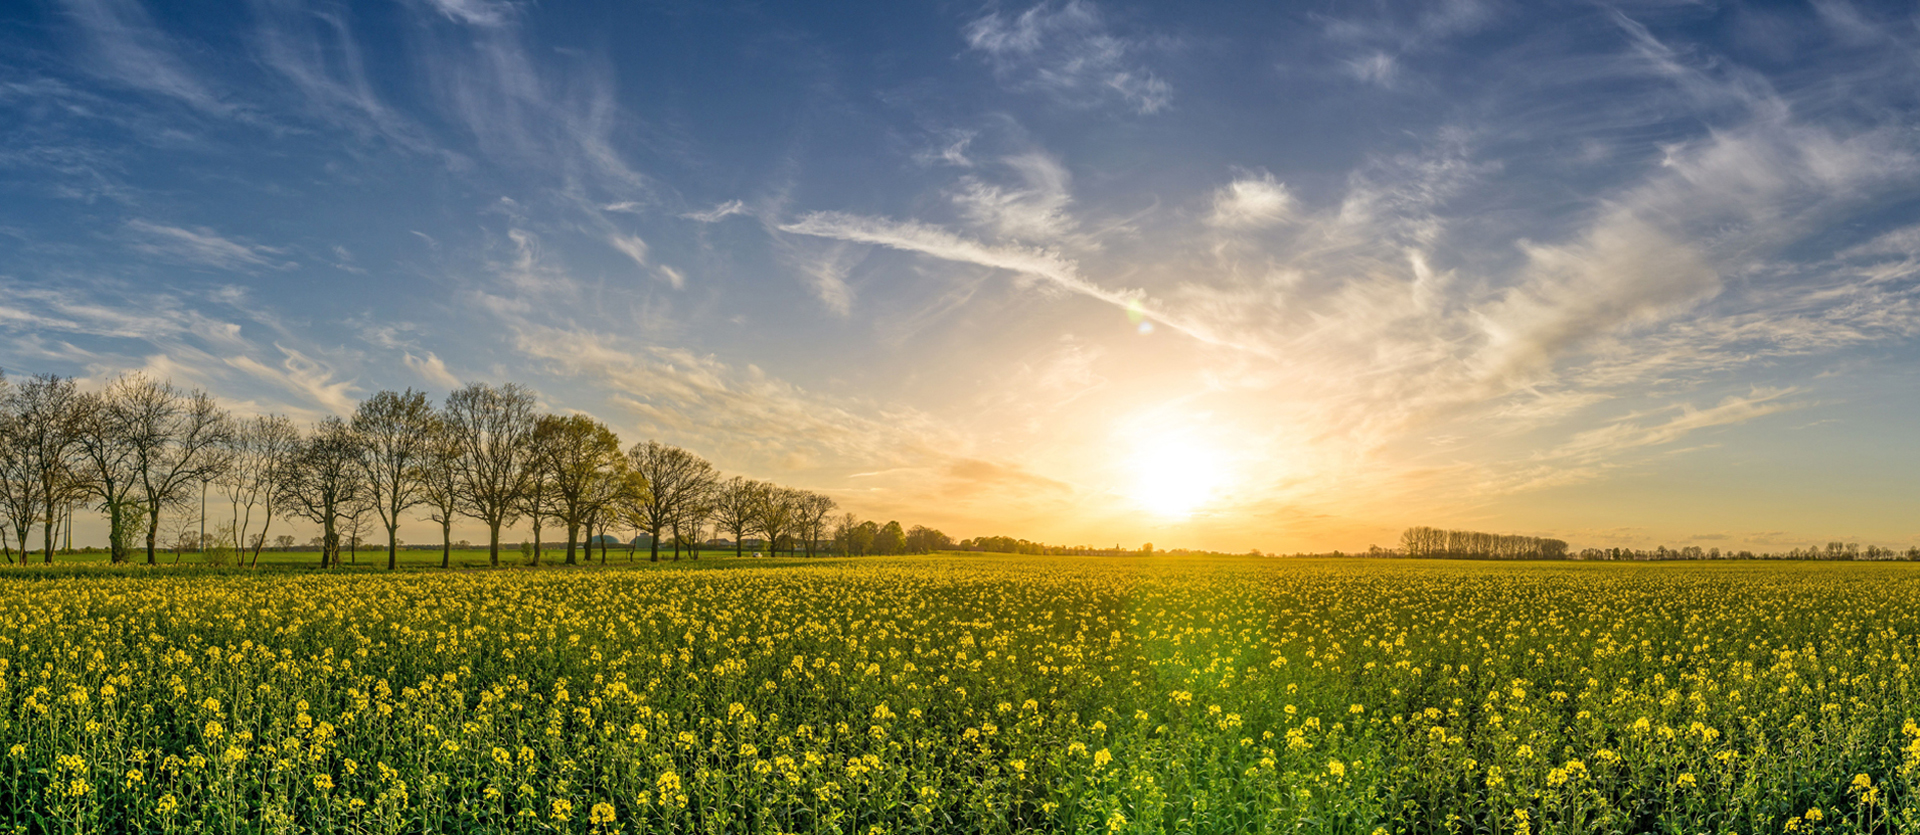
(967, 693)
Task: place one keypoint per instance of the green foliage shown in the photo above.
(964, 693)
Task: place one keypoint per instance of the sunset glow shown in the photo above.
(1624, 276)
(1176, 477)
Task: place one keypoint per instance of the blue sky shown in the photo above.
(1278, 276)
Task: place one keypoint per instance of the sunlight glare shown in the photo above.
(1174, 477)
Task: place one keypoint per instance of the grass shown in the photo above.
(965, 693)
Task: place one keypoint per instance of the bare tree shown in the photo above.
(810, 515)
(440, 483)
(733, 505)
(47, 409)
(774, 514)
(104, 426)
(690, 517)
(323, 480)
(492, 429)
(580, 456)
(617, 494)
(356, 519)
(175, 440)
(673, 475)
(19, 485)
(395, 433)
(257, 454)
(538, 500)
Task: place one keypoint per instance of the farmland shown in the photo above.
(965, 693)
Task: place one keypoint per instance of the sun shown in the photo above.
(1174, 477)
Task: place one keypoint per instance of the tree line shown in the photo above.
(140, 448)
(1434, 543)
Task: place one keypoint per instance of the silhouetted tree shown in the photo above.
(173, 439)
(810, 512)
(492, 430)
(257, 454)
(46, 411)
(396, 433)
(733, 506)
(580, 455)
(673, 476)
(323, 480)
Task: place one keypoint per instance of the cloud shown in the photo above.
(1251, 202)
(743, 413)
(310, 378)
(432, 370)
(1598, 444)
(484, 13)
(724, 210)
(561, 118)
(630, 246)
(1625, 272)
(129, 48)
(1067, 51)
(202, 246)
(314, 50)
(1378, 68)
(825, 269)
(1034, 211)
(973, 477)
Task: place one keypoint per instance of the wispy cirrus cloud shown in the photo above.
(203, 247)
(128, 47)
(1034, 210)
(314, 49)
(1059, 272)
(1067, 51)
(1250, 202)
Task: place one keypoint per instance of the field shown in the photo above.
(966, 693)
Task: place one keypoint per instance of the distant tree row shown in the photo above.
(853, 537)
(1833, 551)
(140, 448)
(1012, 545)
(1434, 543)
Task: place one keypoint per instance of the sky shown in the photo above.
(1235, 276)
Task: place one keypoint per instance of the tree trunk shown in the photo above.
(446, 541)
(493, 552)
(603, 544)
(676, 542)
(655, 544)
(573, 533)
(329, 545)
(46, 533)
(116, 533)
(153, 530)
(536, 540)
(393, 548)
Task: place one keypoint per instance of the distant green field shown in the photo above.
(965, 693)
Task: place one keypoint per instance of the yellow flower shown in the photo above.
(601, 813)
